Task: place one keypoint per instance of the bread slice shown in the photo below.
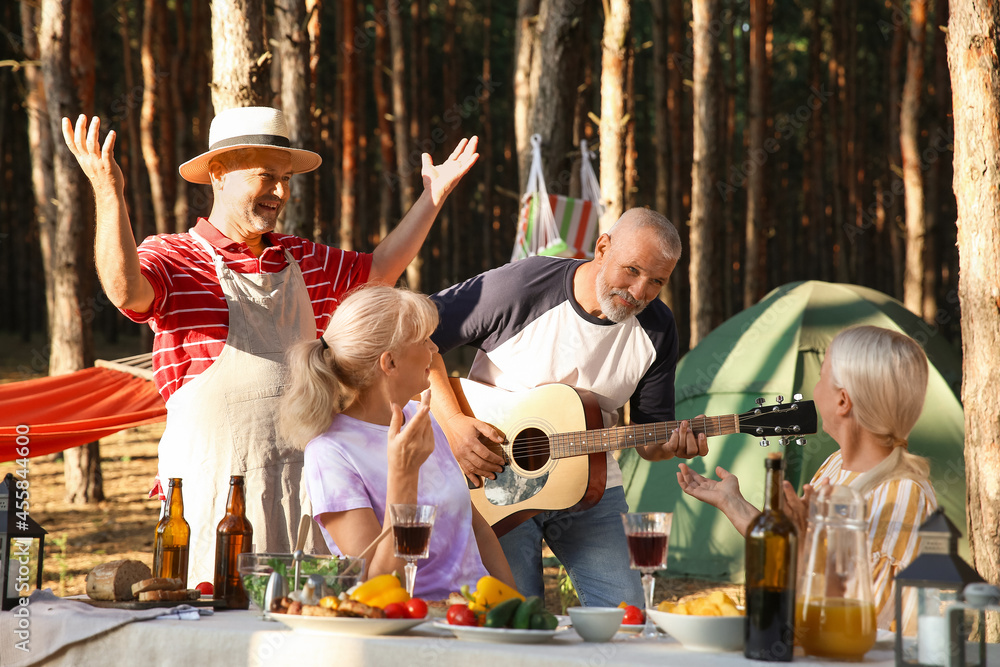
(164, 596)
(113, 580)
(156, 584)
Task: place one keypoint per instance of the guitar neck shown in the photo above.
(578, 443)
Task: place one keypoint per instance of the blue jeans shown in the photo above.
(590, 544)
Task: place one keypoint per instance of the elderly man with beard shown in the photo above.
(226, 300)
(596, 325)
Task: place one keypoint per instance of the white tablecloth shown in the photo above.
(242, 638)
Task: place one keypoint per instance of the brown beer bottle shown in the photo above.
(173, 535)
(771, 552)
(233, 537)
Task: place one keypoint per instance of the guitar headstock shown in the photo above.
(785, 421)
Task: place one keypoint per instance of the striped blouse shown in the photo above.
(895, 509)
(189, 315)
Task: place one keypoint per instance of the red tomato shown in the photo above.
(395, 610)
(633, 616)
(416, 608)
(206, 588)
(460, 614)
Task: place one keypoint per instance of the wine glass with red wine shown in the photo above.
(648, 534)
(411, 529)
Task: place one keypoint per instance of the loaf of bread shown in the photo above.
(114, 580)
(156, 584)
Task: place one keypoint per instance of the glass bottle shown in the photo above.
(233, 537)
(771, 551)
(173, 535)
(835, 612)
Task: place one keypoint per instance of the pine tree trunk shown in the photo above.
(293, 50)
(348, 129)
(401, 125)
(631, 172)
(555, 74)
(486, 151)
(937, 170)
(909, 131)
(753, 280)
(973, 48)
(617, 25)
(132, 138)
(703, 170)
(71, 345)
(814, 185)
(40, 144)
(525, 52)
(661, 119)
(383, 109)
(894, 217)
(678, 63)
(157, 118)
(241, 74)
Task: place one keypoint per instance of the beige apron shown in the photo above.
(224, 422)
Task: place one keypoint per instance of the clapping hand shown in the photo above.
(98, 162)
(441, 179)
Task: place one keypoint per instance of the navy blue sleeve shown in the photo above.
(653, 400)
(489, 308)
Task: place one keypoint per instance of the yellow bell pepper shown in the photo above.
(490, 592)
(375, 587)
(388, 597)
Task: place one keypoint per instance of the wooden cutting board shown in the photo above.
(136, 604)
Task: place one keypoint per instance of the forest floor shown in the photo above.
(122, 525)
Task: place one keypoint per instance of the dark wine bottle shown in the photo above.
(233, 536)
(771, 552)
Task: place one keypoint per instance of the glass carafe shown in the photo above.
(834, 611)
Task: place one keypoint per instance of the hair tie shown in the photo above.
(322, 341)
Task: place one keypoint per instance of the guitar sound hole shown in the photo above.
(530, 449)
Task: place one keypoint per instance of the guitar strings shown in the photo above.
(535, 445)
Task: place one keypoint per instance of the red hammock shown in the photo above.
(51, 414)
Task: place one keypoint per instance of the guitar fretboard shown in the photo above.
(564, 445)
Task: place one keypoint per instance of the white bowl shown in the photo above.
(596, 624)
(702, 633)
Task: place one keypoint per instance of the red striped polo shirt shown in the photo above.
(189, 316)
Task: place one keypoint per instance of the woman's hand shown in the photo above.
(797, 508)
(410, 445)
(723, 494)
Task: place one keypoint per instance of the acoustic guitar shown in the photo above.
(555, 445)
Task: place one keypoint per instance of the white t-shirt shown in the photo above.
(346, 469)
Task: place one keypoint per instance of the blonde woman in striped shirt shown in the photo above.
(870, 394)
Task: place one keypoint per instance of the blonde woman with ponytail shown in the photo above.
(870, 394)
(368, 445)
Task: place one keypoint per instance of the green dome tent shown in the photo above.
(775, 348)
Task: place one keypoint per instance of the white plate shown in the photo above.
(345, 625)
(498, 635)
(632, 629)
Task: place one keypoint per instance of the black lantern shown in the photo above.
(22, 544)
(938, 575)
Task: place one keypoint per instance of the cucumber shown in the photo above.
(543, 620)
(522, 617)
(501, 615)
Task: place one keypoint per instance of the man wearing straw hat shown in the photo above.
(225, 301)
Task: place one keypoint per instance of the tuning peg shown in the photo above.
(796, 397)
(800, 441)
(764, 443)
(779, 399)
(778, 430)
(796, 428)
(759, 430)
(783, 441)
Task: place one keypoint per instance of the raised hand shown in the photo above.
(716, 493)
(441, 179)
(410, 445)
(98, 162)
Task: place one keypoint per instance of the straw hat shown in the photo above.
(247, 127)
